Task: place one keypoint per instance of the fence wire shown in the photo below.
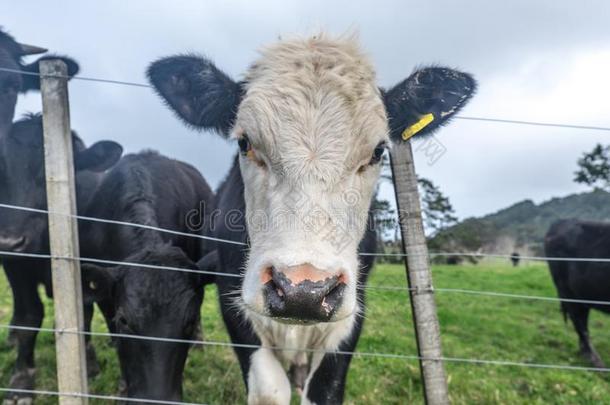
(485, 119)
(233, 242)
(365, 287)
(308, 350)
(227, 344)
(95, 396)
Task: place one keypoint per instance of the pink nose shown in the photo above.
(303, 293)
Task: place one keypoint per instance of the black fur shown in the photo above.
(580, 280)
(31, 80)
(21, 164)
(428, 90)
(210, 100)
(22, 183)
(201, 94)
(153, 190)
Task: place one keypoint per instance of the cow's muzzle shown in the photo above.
(303, 294)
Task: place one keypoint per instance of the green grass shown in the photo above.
(473, 326)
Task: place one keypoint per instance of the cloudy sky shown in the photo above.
(543, 61)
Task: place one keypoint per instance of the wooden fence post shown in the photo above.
(63, 232)
(419, 278)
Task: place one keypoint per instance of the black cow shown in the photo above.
(515, 258)
(21, 174)
(152, 190)
(588, 280)
(22, 184)
(312, 127)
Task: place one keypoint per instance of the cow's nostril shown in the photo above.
(333, 299)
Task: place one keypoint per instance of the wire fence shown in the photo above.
(224, 274)
(398, 356)
(461, 117)
(94, 396)
(233, 242)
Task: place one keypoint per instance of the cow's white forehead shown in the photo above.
(312, 105)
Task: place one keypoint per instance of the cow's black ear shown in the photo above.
(208, 264)
(99, 157)
(426, 100)
(31, 80)
(98, 282)
(200, 94)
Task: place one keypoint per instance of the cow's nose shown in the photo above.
(303, 293)
(12, 244)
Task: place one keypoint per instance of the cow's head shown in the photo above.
(22, 181)
(312, 126)
(12, 82)
(154, 303)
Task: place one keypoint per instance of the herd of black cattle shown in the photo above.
(150, 189)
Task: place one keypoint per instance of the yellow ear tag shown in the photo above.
(418, 126)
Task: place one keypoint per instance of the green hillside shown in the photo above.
(522, 226)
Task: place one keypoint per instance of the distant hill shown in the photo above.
(522, 226)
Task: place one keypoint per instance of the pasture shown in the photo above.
(472, 327)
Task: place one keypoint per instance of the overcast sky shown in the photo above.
(535, 60)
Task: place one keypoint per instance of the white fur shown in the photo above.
(267, 381)
(267, 374)
(314, 116)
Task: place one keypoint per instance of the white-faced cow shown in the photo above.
(312, 126)
(580, 280)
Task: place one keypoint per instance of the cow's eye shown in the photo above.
(244, 145)
(378, 153)
(246, 150)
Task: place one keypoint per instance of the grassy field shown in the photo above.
(473, 326)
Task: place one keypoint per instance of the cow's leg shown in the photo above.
(12, 333)
(267, 380)
(93, 367)
(29, 312)
(579, 314)
(326, 382)
(299, 371)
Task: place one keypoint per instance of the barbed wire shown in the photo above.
(486, 119)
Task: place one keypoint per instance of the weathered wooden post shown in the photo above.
(63, 232)
(418, 274)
